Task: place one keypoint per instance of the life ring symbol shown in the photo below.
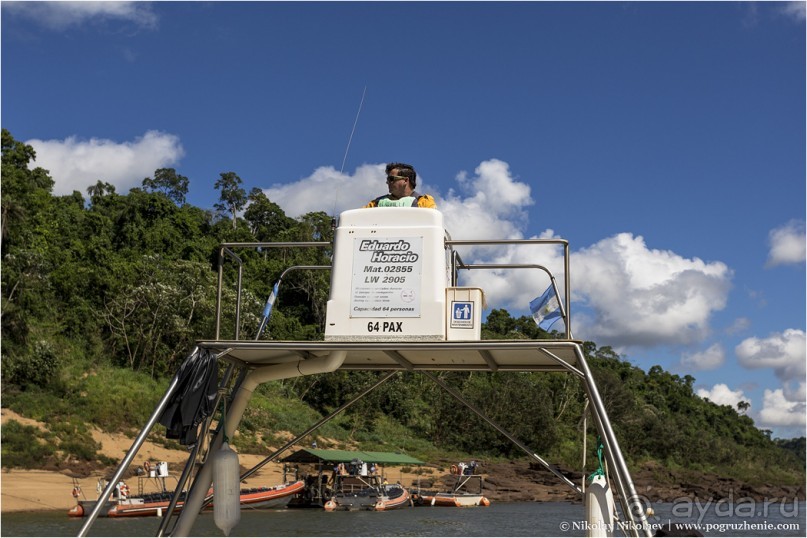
(455, 469)
(76, 492)
(330, 506)
(124, 490)
(147, 466)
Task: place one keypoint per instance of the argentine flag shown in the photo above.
(546, 309)
(267, 310)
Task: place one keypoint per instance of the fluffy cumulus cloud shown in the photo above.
(62, 15)
(721, 394)
(299, 197)
(780, 411)
(643, 297)
(709, 359)
(783, 352)
(787, 244)
(77, 164)
(490, 204)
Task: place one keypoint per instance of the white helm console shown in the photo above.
(391, 278)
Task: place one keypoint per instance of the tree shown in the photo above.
(26, 218)
(99, 190)
(154, 319)
(266, 219)
(168, 182)
(26, 193)
(232, 197)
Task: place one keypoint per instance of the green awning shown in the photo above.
(315, 455)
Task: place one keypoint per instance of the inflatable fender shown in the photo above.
(599, 508)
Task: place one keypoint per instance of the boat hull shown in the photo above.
(453, 500)
(276, 497)
(393, 501)
(390, 498)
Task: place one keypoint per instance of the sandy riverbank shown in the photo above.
(32, 490)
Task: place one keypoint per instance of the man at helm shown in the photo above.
(401, 181)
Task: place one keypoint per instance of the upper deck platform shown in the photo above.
(394, 303)
(478, 355)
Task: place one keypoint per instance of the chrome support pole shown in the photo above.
(220, 281)
(186, 472)
(563, 363)
(317, 424)
(130, 454)
(629, 498)
(551, 468)
(169, 512)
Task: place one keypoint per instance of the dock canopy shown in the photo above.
(315, 455)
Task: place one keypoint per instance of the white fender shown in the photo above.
(226, 489)
(599, 508)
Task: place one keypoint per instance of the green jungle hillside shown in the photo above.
(104, 294)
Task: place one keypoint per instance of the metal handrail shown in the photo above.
(227, 248)
(565, 304)
(456, 262)
(224, 249)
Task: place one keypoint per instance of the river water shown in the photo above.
(499, 519)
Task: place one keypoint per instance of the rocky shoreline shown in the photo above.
(520, 481)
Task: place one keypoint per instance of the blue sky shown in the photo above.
(665, 141)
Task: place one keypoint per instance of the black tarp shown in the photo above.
(194, 397)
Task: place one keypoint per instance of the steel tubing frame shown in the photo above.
(628, 497)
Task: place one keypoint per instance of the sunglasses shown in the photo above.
(393, 179)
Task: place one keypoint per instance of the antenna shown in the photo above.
(355, 122)
(344, 159)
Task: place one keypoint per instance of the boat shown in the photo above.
(467, 491)
(367, 493)
(350, 480)
(396, 303)
(458, 500)
(152, 505)
(156, 504)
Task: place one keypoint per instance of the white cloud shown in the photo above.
(490, 204)
(77, 164)
(739, 325)
(787, 244)
(796, 10)
(709, 359)
(62, 15)
(646, 297)
(721, 394)
(493, 207)
(354, 191)
(783, 352)
(778, 410)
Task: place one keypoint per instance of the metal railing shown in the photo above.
(226, 251)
